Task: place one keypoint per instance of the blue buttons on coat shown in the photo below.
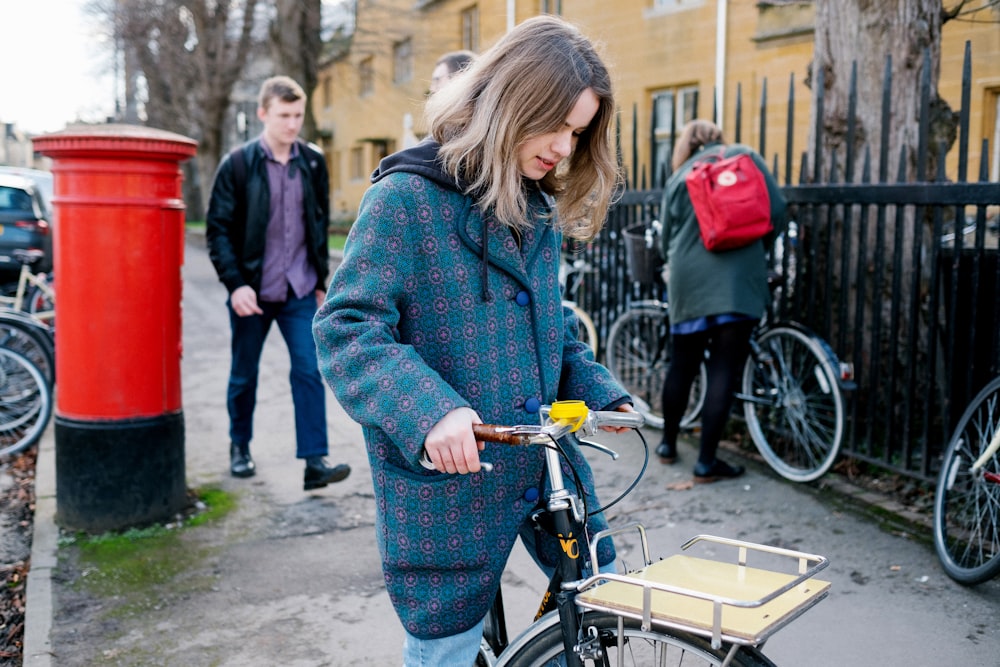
(531, 495)
(532, 405)
(522, 298)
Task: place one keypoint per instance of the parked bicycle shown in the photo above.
(793, 385)
(682, 610)
(571, 273)
(25, 402)
(967, 498)
(31, 337)
(34, 292)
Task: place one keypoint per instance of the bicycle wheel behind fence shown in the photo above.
(25, 402)
(967, 502)
(626, 645)
(638, 355)
(792, 403)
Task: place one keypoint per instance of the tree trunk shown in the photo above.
(867, 32)
(295, 47)
(900, 40)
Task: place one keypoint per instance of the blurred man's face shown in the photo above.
(439, 77)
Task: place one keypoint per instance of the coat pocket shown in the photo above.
(434, 522)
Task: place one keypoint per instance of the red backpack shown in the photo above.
(730, 201)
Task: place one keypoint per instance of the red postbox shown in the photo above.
(118, 250)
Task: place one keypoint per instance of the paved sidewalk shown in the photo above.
(292, 578)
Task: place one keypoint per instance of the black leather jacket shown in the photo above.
(235, 231)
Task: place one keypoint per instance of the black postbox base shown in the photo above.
(118, 474)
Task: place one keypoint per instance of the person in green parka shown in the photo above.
(716, 300)
(446, 312)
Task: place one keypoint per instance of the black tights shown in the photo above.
(728, 346)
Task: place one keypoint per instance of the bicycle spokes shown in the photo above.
(967, 502)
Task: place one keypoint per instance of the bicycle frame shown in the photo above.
(565, 509)
(655, 599)
(25, 278)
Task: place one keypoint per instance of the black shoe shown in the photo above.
(240, 462)
(319, 473)
(667, 453)
(703, 474)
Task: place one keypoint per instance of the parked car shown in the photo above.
(24, 225)
(43, 180)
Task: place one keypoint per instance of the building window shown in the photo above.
(358, 171)
(334, 167)
(366, 73)
(670, 6)
(402, 61)
(993, 132)
(470, 29)
(327, 92)
(551, 7)
(672, 108)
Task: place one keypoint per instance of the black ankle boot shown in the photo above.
(240, 462)
(719, 470)
(319, 473)
(667, 453)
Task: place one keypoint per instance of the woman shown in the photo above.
(716, 300)
(446, 312)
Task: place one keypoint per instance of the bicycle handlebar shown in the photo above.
(570, 417)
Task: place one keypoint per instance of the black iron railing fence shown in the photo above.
(902, 280)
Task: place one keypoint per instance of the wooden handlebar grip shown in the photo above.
(490, 433)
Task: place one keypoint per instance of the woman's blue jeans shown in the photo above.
(294, 318)
(456, 650)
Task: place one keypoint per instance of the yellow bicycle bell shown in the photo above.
(574, 412)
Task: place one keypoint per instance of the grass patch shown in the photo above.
(337, 241)
(128, 564)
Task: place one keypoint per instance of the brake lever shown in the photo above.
(599, 447)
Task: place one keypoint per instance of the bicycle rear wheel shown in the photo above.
(967, 501)
(622, 645)
(587, 331)
(792, 403)
(41, 301)
(638, 355)
(25, 403)
(31, 339)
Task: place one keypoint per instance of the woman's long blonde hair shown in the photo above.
(693, 136)
(525, 86)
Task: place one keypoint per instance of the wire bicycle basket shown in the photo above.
(642, 253)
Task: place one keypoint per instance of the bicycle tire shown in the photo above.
(38, 300)
(792, 403)
(25, 403)
(541, 645)
(967, 502)
(32, 340)
(638, 356)
(587, 332)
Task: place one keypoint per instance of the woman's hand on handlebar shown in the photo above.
(450, 444)
(625, 407)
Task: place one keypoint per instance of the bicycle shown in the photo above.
(571, 278)
(31, 337)
(967, 496)
(683, 610)
(793, 385)
(25, 402)
(34, 292)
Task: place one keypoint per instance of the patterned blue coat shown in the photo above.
(404, 337)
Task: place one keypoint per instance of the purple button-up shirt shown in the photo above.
(286, 264)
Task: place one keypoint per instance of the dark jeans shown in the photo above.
(728, 346)
(294, 318)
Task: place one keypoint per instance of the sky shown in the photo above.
(55, 68)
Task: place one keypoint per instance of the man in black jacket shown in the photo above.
(267, 238)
